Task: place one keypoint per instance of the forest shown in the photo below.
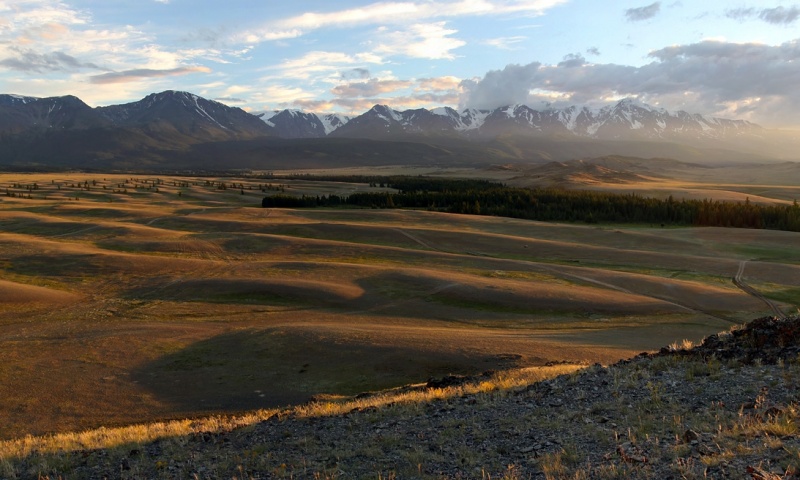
(482, 197)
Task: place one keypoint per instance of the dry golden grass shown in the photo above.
(139, 434)
(155, 298)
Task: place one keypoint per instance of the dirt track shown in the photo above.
(739, 282)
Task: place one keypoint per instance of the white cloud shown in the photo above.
(506, 43)
(742, 80)
(447, 82)
(369, 88)
(387, 13)
(322, 66)
(430, 40)
(275, 97)
(357, 96)
(44, 37)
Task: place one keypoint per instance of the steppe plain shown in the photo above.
(134, 298)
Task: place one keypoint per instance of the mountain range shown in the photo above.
(628, 119)
(180, 130)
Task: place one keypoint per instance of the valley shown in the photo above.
(128, 298)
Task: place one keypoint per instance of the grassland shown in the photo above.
(134, 299)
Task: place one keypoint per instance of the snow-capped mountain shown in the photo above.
(626, 120)
(297, 124)
(383, 123)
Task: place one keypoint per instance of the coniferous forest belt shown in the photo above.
(482, 197)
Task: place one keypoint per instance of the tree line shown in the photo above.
(482, 197)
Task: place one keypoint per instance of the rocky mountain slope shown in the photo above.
(727, 408)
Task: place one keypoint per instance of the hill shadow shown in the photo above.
(276, 367)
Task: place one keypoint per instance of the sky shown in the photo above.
(732, 59)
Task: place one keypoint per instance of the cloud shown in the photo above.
(42, 37)
(279, 96)
(359, 105)
(501, 87)
(230, 100)
(776, 16)
(506, 43)
(369, 88)
(748, 80)
(32, 62)
(643, 13)
(356, 97)
(26, 14)
(780, 15)
(572, 60)
(321, 66)
(391, 13)
(142, 73)
(439, 83)
(355, 73)
(741, 13)
(593, 51)
(430, 40)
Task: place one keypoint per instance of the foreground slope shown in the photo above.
(724, 409)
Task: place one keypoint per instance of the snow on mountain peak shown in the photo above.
(443, 111)
(628, 116)
(386, 113)
(332, 121)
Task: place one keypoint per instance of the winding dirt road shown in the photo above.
(737, 280)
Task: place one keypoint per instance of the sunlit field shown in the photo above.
(130, 298)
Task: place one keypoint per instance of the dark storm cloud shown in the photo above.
(756, 80)
(643, 13)
(32, 62)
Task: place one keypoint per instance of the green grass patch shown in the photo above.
(781, 293)
(782, 254)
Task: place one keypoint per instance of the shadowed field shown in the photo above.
(134, 299)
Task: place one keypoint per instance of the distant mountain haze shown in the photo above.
(174, 129)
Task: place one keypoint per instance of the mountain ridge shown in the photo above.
(167, 130)
(609, 122)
